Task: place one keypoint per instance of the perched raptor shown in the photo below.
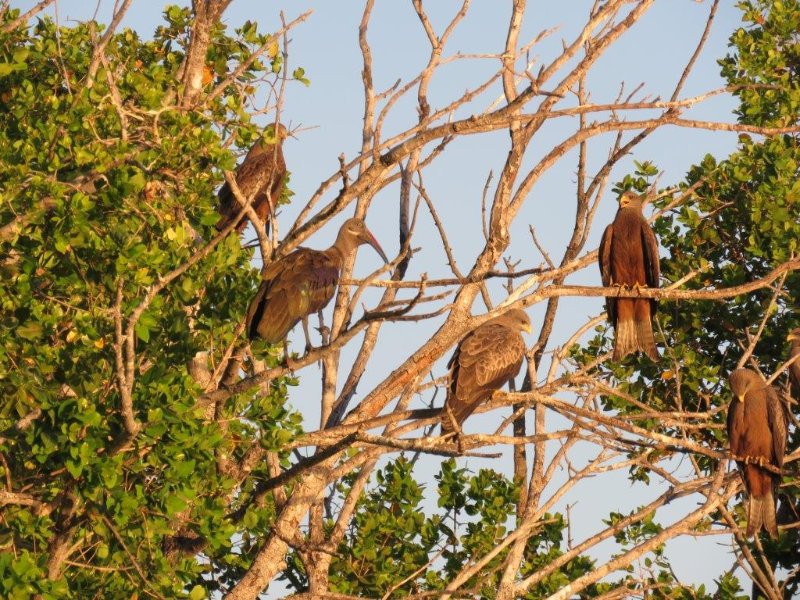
(628, 258)
(757, 427)
(261, 176)
(302, 283)
(484, 361)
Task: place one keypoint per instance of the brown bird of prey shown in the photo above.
(757, 427)
(484, 361)
(261, 176)
(628, 258)
(302, 283)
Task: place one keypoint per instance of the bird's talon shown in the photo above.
(289, 362)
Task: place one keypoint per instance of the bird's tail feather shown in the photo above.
(646, 341)
(631, 335)
(761, 513)
(624, 338)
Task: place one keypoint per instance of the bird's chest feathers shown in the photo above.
(751, 433)
(627, 251)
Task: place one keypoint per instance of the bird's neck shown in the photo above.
(341, 249)
(346, 244)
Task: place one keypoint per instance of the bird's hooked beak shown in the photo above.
(792, 337)
(368, 238)
(527, 328)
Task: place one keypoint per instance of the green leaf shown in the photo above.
(142, 331)
(175, 504)
(30, 330)
(197, 593)
(299, 74)
(7, 69)
(102, 551)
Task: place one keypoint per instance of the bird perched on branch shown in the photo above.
(628, 258)
(484, 361)
(261, 176)
(302, 283)
(757, 424)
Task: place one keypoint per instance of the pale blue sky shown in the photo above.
(654, 52)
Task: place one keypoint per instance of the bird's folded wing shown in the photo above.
(776, 415)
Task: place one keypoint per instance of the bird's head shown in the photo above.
(519, 319)
(630, 198)
(742, 381)
(794, 335)
(356, 233)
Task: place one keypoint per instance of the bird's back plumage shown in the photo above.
(484, 361)
(301, 283)
(261, 175)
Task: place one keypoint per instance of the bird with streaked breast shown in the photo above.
(302, 283)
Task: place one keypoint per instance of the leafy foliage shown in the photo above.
(106, 189)
(397, 543)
